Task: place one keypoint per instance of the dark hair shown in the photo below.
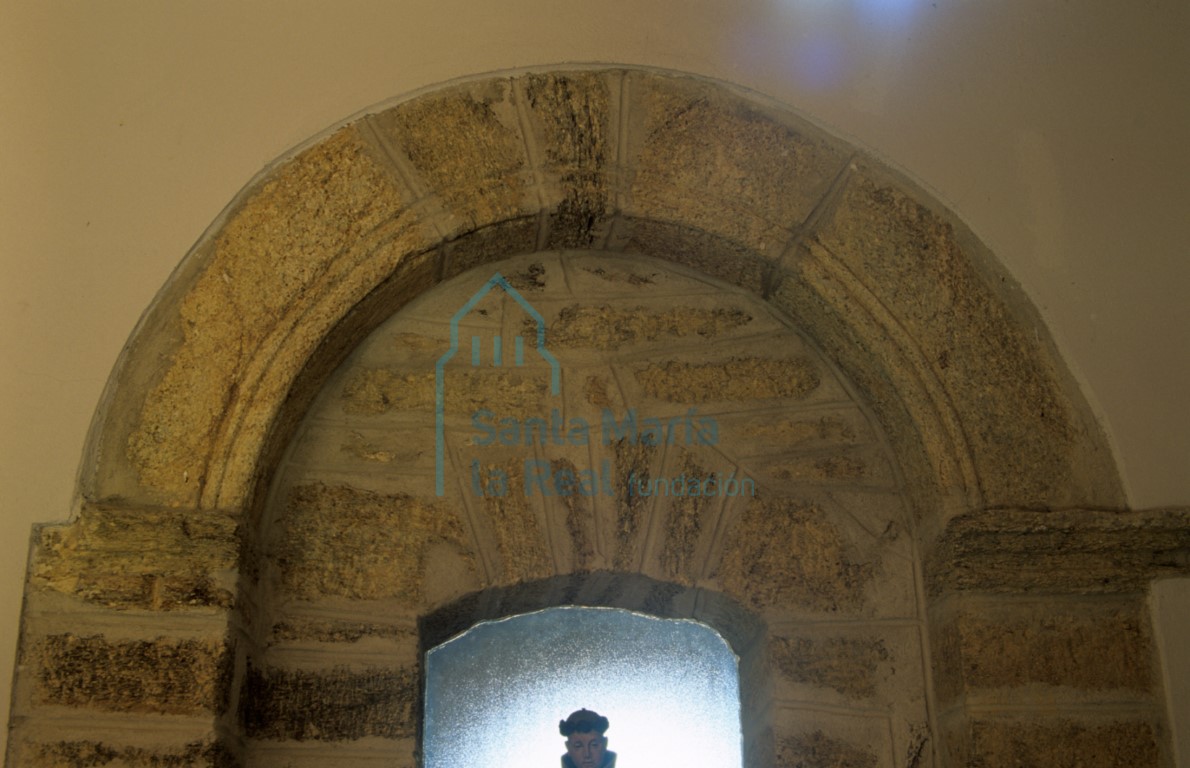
(583, 721)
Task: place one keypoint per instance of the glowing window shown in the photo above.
(495, 694)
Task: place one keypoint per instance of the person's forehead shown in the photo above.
(579, 736)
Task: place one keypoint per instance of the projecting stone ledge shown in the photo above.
(149, 559)
(1092, 551)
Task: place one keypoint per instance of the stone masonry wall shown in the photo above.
(126, 655)
(936, 553)
(779, 495)
(1041, 640)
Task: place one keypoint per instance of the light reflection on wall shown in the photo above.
(495, 694)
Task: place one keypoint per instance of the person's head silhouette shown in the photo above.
(586, 746)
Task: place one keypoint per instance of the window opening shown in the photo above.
(495, 694)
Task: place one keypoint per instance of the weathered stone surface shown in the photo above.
(579, 519)
(465, 148)
(153, 559)
(691, 146)
(1099, 647)
(361, 448)
(685, 521)
(1079, 551)
(633, 462)
(848, 665)
(491, 244)
(379, 390)
(609, 328)
(524, 554)
(785, 553)
(348, 542)
(286, 236)
(98, 754)
(530, 279)
(974, 406)
(571, 111)
(833, 429)
(275, 393)
(1021, 426)
(822, 301)
(597, 391)
(329, 705)
(748, 378)
(369, 445)
(852, 467)
(1063, 743)
(333, 631)
(614, 273)
(159, 676)
(706, 252)
(817, 750)
(752, 189)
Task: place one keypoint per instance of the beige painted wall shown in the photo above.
(1055, 130)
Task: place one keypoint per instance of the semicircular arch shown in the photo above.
(341, 233)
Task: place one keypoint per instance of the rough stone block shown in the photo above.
(707, 252)
(823, 304)
(608, 328)
(321, 630)
(686, 519)
(465, 147)
(1064, 743)
(812, 431)
(846, 467)
(376, 391)
(579, 522)
(150, 559)
(817, 750)
(348, 542)
(573, 123)
(80, 753)
(632, 461)
(1021, 424)
(491, 244)
(737, 379)
(159, 676)
(286, 235)
(718, 165)
(1080, 551)
(847, 665)
(513, 522)
(1015, 649)
(329, 705)
(785, 553)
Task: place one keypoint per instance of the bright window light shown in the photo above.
(495, 694)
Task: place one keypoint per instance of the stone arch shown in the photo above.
(989, 430)
(629, 161)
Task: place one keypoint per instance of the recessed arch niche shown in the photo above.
(975, 410)
(700, 459)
